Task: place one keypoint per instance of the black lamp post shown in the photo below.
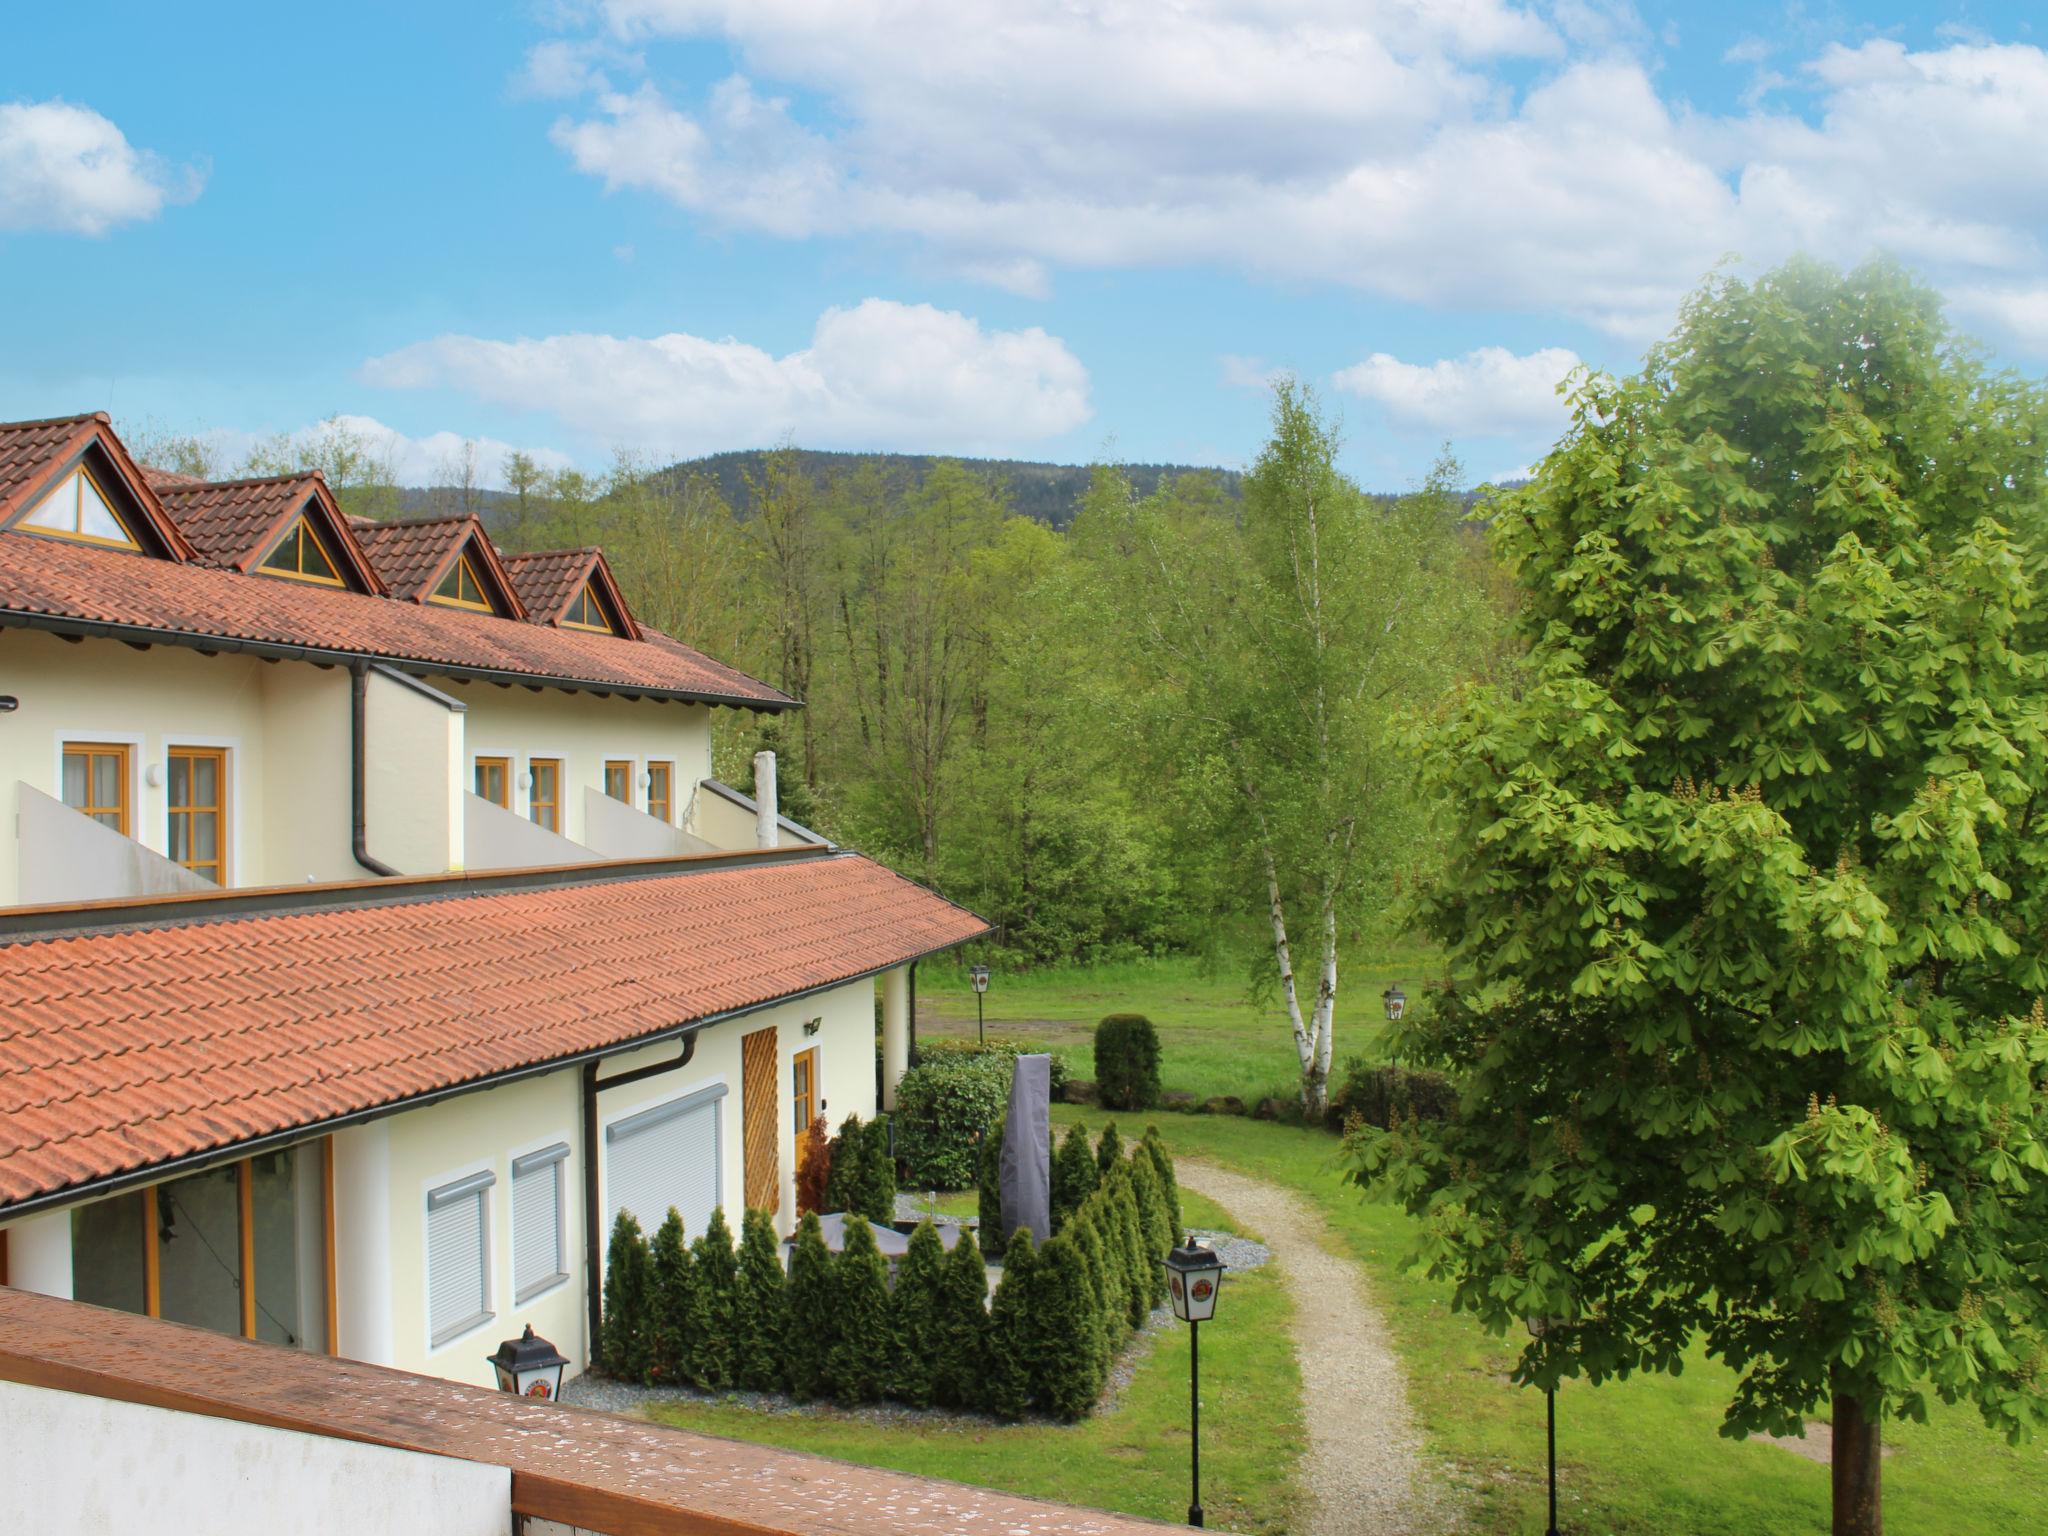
(1193, 1277)
(978, 974)
(1538, 1326)
(529, 1366)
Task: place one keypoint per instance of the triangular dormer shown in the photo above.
(448, 562)
(302, 553)
(572, 589)
(71, 479)
(588, 609)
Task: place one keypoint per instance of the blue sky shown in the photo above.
(1051, 230)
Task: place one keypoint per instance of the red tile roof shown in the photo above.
(89, 587)
(124, 1049)
(227, 520)
(27, 447)
(34, 453)
(549, 580)
(413, 555)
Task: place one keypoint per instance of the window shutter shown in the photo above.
(458, 1269)
(667, 1156)
(537, 1222)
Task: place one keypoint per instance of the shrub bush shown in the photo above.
(914, 1318)
(1109, 1151)
(857, 1363)
(1127, 1061)
(1074, 1176)
(1169, 1187)
(622, 1341)
(877, 1186)
(1006, 1383)
(941, 1111)
(813, 1167)
(807, 1331)
(1384, 1095)
(714, 1304)
(947, 1050)
(1153, 1222)
(1137, 1262)
(1066, 1365)
(761, 1311)
(671, 1303)
(961, 1360)
(847, 1169)
(989, 1190)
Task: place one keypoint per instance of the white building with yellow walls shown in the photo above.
(372, 930)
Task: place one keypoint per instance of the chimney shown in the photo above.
(765, 813)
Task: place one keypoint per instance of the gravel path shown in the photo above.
(1362, 1469)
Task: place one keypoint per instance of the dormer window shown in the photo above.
(79, 509)
(463, 588)
(588, 612)
(301, 556)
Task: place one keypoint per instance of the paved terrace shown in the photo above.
(592, 1470)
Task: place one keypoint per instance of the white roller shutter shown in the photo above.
(666, 1156)
(458, 1260)
(537, 1222)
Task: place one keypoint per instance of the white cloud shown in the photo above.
(1489, 392)
(66, 168)
(1241, 372)
(1374, 143)
(878, 375)
(430, 460)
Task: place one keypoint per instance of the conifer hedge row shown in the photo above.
(704, 1315)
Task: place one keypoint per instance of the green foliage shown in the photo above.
(989, 1188)
(1105, 1316)
(877, 1187)
(915, 1317)
(714, 1305)
(943, 1048)
(961, 1358)
(1073, 1176)
(671, 1307)
(1743, 894)
(1109, 1151)
(1130, 1228)
(941, 1110)
(1127, 1061)
(846, 1172)
(1386, 1095)
(809, 1330)
(1067, 1364)
(761, 1309)
(1155, 1223)
(1011, 1349)
(857, 1364)
(622, 1340)
(1169, 1184)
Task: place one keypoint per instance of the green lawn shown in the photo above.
(1213, 1039)
(1134, 1460)
(1637, 1458)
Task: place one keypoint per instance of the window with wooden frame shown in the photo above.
(78, 509)
(96, 782)
(463, 588)
(494, 780)
(618, 780)
(196, 793)
(544, 800)
(661, 778)
(803, 1092)
(588, 612)
(302, 555)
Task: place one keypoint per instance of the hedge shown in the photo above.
(860, 1170)
(947, 1050)
(943, 1111)
(704, 1315)
(1127, 1061)
(1383, 1096)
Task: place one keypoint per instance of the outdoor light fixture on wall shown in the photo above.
(525, 779)
(811, 1027)
(529, 1366)
(1194, 1277)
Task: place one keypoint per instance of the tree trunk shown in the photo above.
(1856, 1457)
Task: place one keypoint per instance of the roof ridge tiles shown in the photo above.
(197, 485)
(57, 421)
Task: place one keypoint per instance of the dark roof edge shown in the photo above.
(234, 1151)
(143, 634)
(747, 803)
(21, 925)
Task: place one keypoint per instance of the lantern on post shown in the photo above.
(1194, 1275)
(978, 974)
(529, 1366)
(1538, 1326)
(1396, 1001)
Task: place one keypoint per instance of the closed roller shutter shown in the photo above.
(537, 1222)
(458, 1267)
(667, 1156)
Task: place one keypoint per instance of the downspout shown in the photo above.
(359, 794)
(911, 1022)
(593, 1249)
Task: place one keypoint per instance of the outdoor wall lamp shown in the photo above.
(1194, 1276)
(529, 1366)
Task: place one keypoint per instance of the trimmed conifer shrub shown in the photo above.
(1132, 1231)
(622, 1338)
(813, 1167)
(715, 1300)
(1127, 1061)
(858, 1360)
(1105, 1326)
(847, 1170)
(1066, 1367)
(1006, 1379)
(673, 1281)
(807, 1329)
(1092, 1225)
(914, 1318)
(961, 1358)
(1074, 1176)
(1109, 1151)
(1153, 1224)
(989, 1188)
(877, 1186)
(1169, 1183)
(761, 1309)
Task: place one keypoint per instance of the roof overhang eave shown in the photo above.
(143, 634)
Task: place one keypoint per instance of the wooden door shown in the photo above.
(761, 1119)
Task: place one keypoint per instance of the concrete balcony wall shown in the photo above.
(494, 838)
(724, 817)
(63, 856)
(617, 831)
(416, 774)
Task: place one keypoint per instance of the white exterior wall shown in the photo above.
(435, 1145)
(718, 820)
(39, 1254)
(584, 732)
(414, 773)
(77, 1465)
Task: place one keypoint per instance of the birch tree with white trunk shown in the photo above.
(1282, 646)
